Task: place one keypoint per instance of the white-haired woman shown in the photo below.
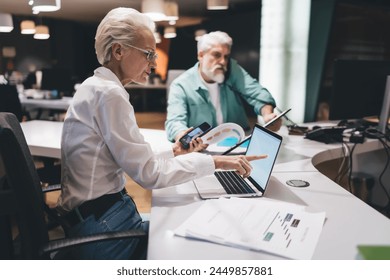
(101, 142)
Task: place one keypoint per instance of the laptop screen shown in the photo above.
(263, 141)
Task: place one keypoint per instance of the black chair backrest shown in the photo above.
(9, 101)
(20, 180)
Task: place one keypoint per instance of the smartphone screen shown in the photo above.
(196, 132)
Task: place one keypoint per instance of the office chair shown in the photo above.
(23, 212)
(9, 101)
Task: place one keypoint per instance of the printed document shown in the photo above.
(280, 228)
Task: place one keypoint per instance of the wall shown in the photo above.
(70, 46)
(355, 30)
(320, 25)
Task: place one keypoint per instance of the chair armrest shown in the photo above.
(70, 242)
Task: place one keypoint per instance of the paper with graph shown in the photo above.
(276, 227)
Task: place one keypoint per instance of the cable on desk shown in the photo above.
(350, 166)
(345, 165)
(339, 172)
(387, 148)
(383, 138)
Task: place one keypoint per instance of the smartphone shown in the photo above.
(196, 132)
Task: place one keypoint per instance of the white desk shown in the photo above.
(349, 220)
(30, 104)
(54, 104)
(44, 137)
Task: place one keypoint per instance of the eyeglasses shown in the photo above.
(150, 55)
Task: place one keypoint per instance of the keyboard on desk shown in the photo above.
(233, 183)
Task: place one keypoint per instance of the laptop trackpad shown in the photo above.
(209, 185)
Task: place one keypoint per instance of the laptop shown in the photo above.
(229, 184)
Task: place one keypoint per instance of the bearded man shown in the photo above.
(213, 91)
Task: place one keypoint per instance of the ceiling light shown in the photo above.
(217, 4)
(41, 32)
(199, 33)
(154, 9)
(169, 32)
(46, 5)
(27, 27)
(6, 23)
(171, 9)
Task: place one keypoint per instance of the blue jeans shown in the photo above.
(123, 215)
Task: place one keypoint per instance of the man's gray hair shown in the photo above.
(211, 39)
(120, 25)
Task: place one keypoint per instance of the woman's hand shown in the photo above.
(239, 163)
(196, 145)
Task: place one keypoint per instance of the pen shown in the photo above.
(285, 116)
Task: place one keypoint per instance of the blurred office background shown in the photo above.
(290, 46)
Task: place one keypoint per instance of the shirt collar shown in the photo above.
(199, 83)
(104, 72)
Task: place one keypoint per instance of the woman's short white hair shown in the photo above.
(211, 39)
(120, 25)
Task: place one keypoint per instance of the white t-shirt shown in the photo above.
(101, 142)
(214, 93)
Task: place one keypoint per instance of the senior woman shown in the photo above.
(101, 142)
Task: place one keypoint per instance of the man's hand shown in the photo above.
(276, 125)
(267, 112)
(239, 163)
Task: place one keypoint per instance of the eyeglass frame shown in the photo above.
(150, 55)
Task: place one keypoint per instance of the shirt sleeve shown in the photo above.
(177, 112)
(117, 125)
(249, 88)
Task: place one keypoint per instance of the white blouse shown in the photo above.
(101, 141)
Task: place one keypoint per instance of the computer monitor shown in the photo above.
(358, 87)
(57, 79)
(385, 112)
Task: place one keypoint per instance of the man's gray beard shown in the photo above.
(218, 77)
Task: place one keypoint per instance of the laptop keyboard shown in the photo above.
(233, 183)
